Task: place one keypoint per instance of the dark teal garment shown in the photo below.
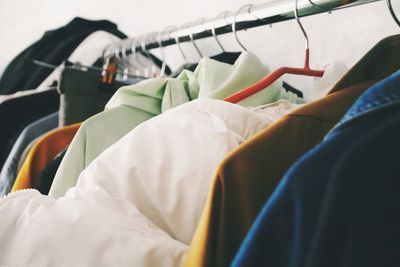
(83, 95)
(54, 47)
(10, 168)
(338, 205)
(46, 177)
(19, 112)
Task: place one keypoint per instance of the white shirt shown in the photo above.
(139, 202)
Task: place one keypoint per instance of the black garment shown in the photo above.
(227, 57)
(17, 113)
(54, 47)
(46, 177)
(224, 57)
(290, 88)
(83, 95)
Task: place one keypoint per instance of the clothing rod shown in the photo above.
(260, 15)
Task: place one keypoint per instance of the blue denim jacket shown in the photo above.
(338, 204)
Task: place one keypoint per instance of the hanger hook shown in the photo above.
(124, 56)
(123, 51)
(133, 47)
(144, 50)
(143, 43)
(159, 41)
(174, 29)
(234, 30)
(316, 5)
(296, 14)
(254, 16)
(124, 46)
(213, 29)
(135, 54)
(105, 52)
(190, 28)
(125, 65)
(155, 37)
(389, 4)
(116, 52)
(117, 55)
(140, 65)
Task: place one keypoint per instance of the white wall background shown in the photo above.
(24, 21)
(345, 34)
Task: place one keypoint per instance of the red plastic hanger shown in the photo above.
(272, 77)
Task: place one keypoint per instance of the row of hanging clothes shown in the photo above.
(111, 158)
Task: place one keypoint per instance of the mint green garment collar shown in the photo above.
(134, 104)
(211, 79)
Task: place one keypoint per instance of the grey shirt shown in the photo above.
(10, 168)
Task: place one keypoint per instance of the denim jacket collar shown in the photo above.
(382, 95)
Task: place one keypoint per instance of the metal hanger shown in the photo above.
(136, 56)
(120, 63)
(110, 64)
(137, 67)
(154, 37)
(213, 29)
(199, 22)
(144, 50)
(189, 27)
(273, 76)
(107, 72)
(125, 62)
(109, 61)
(389, 4)
(159, 41)
(254, 16)
(76, 65)
(316, 5)
(234, 30)
(105, 51)
(174, 29)
(296, 15)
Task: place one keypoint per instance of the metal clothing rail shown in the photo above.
(258, 15)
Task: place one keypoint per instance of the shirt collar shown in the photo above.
(381, 95)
